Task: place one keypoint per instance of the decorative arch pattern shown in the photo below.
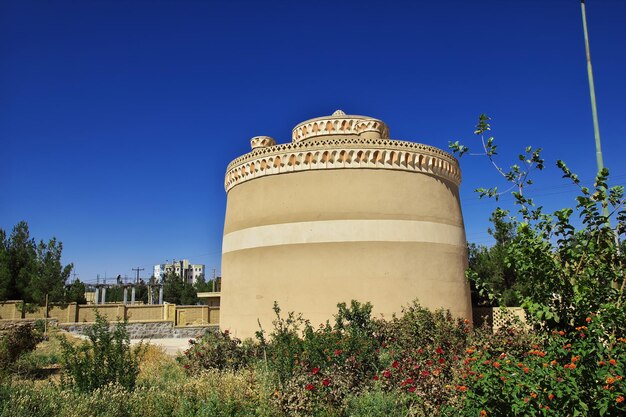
(344, 153)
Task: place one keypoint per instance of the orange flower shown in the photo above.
(612, 362)
(461, 388)
(561, 333)
(588, 319)
(550, 396)
(483, 413)
(610, 380)
(619, 399)
(532, 394)
(575, 359)
(496, 364)
(526, 370)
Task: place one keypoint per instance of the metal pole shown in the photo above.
(592, 93)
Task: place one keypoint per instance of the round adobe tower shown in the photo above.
(340, 213)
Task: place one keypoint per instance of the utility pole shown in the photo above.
(137, 269)
(592, 94)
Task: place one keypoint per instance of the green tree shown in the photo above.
(493, 280)
(29, 271)
(571, 272)
(177, 291)
(5, 272)
(75, 293)
(51, 275)
(22, 262)
(211, 285)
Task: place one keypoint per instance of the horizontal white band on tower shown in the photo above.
(338, 231)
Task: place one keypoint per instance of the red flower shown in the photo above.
(412, 389)
(439, 351)
(425, 373)
(395, 364)
(550, 396)
(407, 381)
(337, 352)
(186, 366)
(387, 374)
(441, 360)
(310, 387)
(315, 370)
(376, 378)
(326, 382)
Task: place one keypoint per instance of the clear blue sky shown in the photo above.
(118, 118)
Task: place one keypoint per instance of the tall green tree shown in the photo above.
(493, 280)
(573, 269)
(75, 293)
(22, 262)
(29, 271)
(5, 272)
(178, 291)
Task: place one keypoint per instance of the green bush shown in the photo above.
(104, 359)
(216, 350)
(15, 343)
(566, 374)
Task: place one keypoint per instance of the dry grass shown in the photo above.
(157, 367)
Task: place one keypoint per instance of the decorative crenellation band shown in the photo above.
(342, 153)
(337, 125)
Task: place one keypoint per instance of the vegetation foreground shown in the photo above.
(420, 364)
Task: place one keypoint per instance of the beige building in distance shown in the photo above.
(183, 268)
(341, 212)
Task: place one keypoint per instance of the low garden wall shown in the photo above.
(200, 315)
